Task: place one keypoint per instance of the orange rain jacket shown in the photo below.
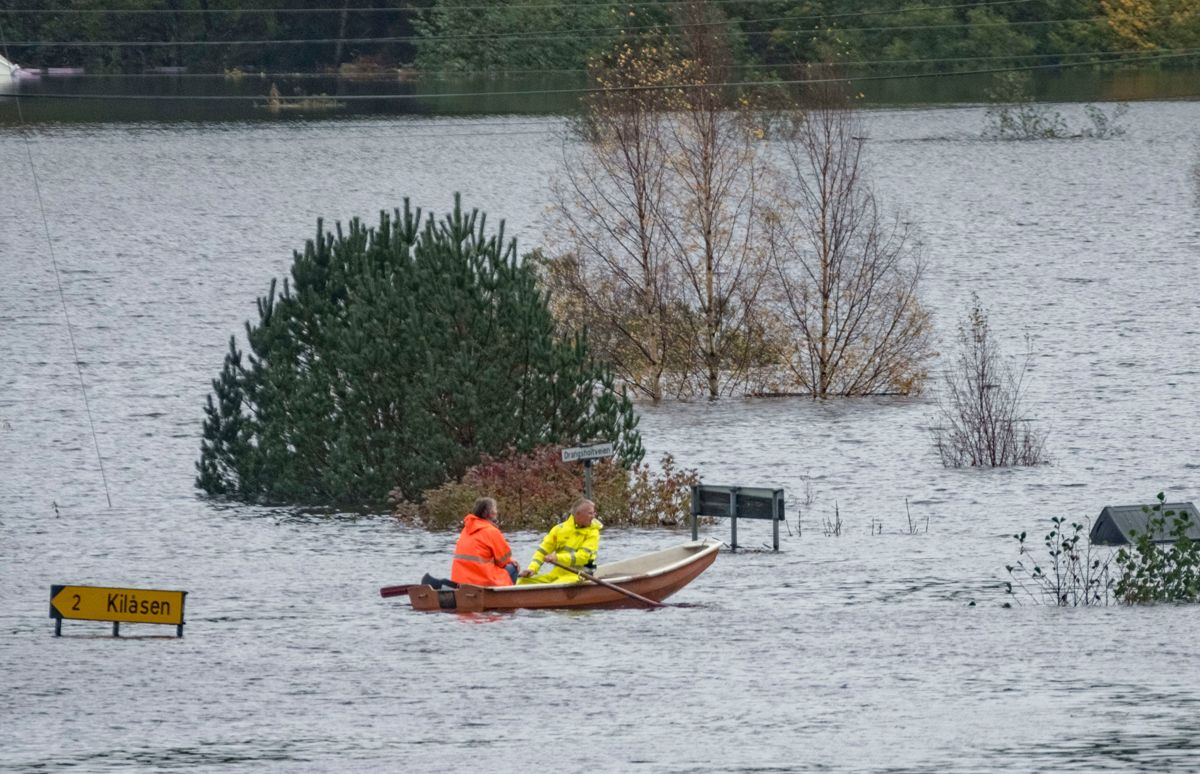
(480, 554)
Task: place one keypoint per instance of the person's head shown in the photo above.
(485, 508)
(584, 511)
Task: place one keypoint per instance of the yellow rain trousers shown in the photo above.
(568, 544)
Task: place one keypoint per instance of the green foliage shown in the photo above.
(1154, 572)
(1104, 124)
(462, 34)
(1014, 115)
(664, 497)
(1148, 571)
(534, 490)
(394, 359)
(1069, 576)
(205, 20)
(539, 37)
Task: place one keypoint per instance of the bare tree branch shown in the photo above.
(848, 276)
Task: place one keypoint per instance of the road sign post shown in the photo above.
(98, 603)
(586, 455)
(734, 502)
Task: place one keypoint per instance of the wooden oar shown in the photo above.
(395, 591)
(613, 586)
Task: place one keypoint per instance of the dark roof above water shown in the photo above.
(1116, 523)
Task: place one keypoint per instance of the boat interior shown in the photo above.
(655, 563)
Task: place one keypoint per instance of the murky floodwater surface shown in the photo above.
(858, 652)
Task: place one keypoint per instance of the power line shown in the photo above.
(62, 297)
(538, 35)
(377, 9)
(595, 90)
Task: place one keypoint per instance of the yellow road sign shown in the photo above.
(96, 603)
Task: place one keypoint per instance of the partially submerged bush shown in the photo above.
(1073, 574)
(1153, 572)
(533, 491)
(394, 358)
(1070, 575)
(1014, 115)
(537, 489)
(661, 498)
(979, 422)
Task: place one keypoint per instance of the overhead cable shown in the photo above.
(454, 8)
(62, 296)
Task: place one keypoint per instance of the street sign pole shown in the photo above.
(587, 455)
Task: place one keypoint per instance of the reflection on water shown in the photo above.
(854, 653)
(248, 96)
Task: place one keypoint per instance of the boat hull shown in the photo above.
(658, 583)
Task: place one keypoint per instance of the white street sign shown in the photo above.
(596, 452)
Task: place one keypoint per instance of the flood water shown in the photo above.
(858, 652)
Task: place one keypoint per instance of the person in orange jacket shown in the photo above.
(482, 556)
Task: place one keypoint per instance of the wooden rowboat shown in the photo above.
(657, 576)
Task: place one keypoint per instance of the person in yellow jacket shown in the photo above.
(574, 542)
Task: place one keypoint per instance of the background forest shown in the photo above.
(470, 36)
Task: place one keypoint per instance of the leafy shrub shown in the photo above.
(535, 490)
(664, 498)
(1014, 115)
(1153, 572)
(1071, 577)
(1104, 125)
(1147, 571)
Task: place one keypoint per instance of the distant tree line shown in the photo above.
(471, 35)
(910, 35)
(212, 21)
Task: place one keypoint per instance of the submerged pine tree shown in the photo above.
(394, 358)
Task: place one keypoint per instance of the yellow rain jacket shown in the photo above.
(569, 545)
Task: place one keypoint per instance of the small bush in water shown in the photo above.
(1015, 115)
(535, 490)
(1070, 575)
(1146, 571)
(1154, 572)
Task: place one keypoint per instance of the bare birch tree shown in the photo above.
(980, 422)
(609, 270)
(847, 274)
(715, 206)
